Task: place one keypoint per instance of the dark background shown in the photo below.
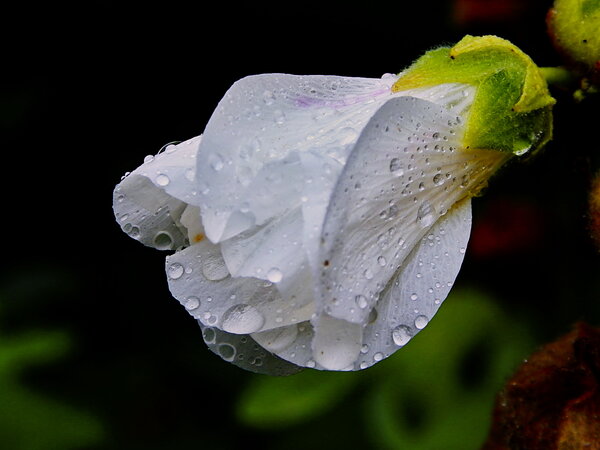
(88, 89)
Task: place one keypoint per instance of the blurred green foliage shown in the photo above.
(30, 420)
(437, 392)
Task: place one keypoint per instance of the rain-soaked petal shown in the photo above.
(149, 202)
(406, 172)
(238, 305)
(413, 295)
(266, 118)
(245, 352)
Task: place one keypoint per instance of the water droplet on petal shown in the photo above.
(163, 240)
(175, 271)
(242, 319)
(162, 179)
(368, 273)
(438, 179)
(216, 161)
(274, 275)
(381, 261)
(396, 167)
(425, 214)
(192, 302)
(214, 269)
(414, 296)
(361, 301)
(227, 352)
(421, 322)
(401, 335)
(209, 335)
(378, 356)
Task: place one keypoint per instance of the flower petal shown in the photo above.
(324, 172)
(405, 172)
(199, 279)
(266, 118)
(149, 202)
(337, 343)
(244, 352)
(414, 295)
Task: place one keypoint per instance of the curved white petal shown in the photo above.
(337, 343)
(413, 296)
(149, 202)
(244, 352)
(265, 118)
(405, 172)
(199, 279)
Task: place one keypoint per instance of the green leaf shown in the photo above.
(270, 402)
(438, 392)
(30, 420)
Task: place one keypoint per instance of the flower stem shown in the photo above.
(558, 76)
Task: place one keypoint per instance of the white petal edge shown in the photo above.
(244, 352)
(414, 295)
(148, 203)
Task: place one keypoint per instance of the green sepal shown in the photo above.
(511, 110)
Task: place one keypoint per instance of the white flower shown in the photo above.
(323, 218)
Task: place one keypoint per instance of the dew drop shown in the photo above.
(378, 356)
(226, 351)
(175, 271)
(214, 269)
(216, 161)
(162, 179)
(438, 179)
(381, 261)
(361, 301)
(134, 232)
(163, 240)
(425, 214)
(368, 273)
(421, 322)
(364, 349)
(396, 167)
(401, 335)
(191, 302)
(209, 335)
(274, 275)
(414, 296)
(242, 319)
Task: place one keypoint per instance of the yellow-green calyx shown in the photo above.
(512, 108)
